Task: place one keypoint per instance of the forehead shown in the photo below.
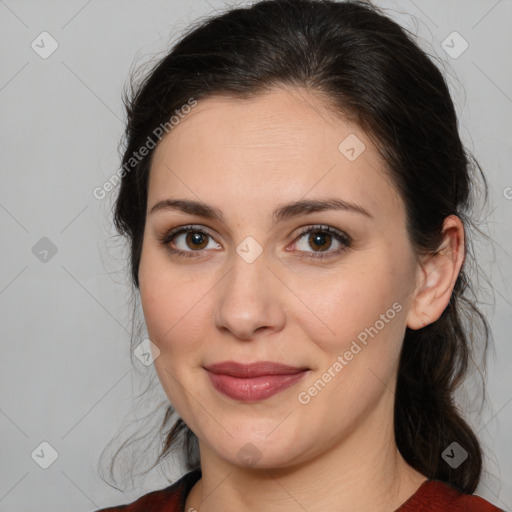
(280, 122)
(278, 145)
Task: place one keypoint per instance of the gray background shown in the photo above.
(65, 372)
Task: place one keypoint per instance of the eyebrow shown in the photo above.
(284, 212)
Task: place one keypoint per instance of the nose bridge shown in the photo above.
(247, 301)
(248, 269)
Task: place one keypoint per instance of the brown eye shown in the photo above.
(196, 240)
(188, 241)
(322, 241)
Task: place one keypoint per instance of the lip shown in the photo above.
(255, 381)
(256, 369)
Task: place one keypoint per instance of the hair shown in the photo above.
(369, 69)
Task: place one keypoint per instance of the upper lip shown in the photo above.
(256, 369)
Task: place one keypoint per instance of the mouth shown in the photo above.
(255, 381)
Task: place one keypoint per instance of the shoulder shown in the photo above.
(170, 499)
(434, 495)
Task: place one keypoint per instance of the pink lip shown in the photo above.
(255, 381)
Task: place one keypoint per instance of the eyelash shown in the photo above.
(344, 239)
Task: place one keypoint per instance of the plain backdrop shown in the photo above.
(66, 376)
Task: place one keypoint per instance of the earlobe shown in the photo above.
(437, 274)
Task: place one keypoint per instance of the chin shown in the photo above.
(262, 452)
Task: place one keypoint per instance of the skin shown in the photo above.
(247, 158)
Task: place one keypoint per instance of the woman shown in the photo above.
(295, 193)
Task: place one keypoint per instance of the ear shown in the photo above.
(437, 274)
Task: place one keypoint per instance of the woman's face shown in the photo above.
(251, 287)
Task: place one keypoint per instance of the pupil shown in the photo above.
(320, 240)
(197, 239)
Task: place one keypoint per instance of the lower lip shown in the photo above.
(253, 389)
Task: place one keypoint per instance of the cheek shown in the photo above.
(174, 318)
(364, 319)
(172, 303)
(343, 306)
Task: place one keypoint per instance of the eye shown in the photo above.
(321, 239)
(190, 241)
(187, 240)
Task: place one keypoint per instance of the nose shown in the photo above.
(249, 300)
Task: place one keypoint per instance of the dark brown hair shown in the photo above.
(372, 71)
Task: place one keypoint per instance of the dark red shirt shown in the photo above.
(432, 496)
